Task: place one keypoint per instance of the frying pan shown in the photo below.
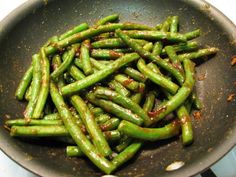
(27, 28)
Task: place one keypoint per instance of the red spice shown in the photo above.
(114, 54)
(197, 115)
(128, 81)
(202, 77)
(157, 112)
(233, 60)
(231, 97)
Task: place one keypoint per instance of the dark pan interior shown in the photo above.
(24, 31)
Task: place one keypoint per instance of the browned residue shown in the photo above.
(231, 97)
(114, 54)
(197, 115)
(201, 77)
(128, 81)
(157, 112)
(233, 60)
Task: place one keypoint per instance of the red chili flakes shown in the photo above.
(231, 97)
(197, 115)
(233, 60)
(128, 81)
(157, 112)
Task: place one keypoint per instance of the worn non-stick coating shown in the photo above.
(24, 31)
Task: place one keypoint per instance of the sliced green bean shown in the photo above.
(109, 125)
(173, 57)
(91, 126)
(115, 109)
(166, 25)
(174, 24)
(105, 93)
(81, 140)
(66, 63)
(145, 54)
(105, 54)
(24, 83)
(85, 58)
(149, 134)
(74, 151)
(127, 82)
(136, 97)
(193, 34)
(28, 93)
(119, 88)
(102, 118)
(148, 47)
(157, 48)
(149, 102)
(53, 116)
(44, 90)
(27, 121)
(97, 111)
(56, 62)
(36, 84)
(100, 75)
(157, 78)
(76, 29)
(110, 18)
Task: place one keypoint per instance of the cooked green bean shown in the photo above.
(149, 134)
(44, 90)
(97, 111)
(174, 24)
(28, 93)
(148, 47)
(102, 118)
(85, 58)
(145, 54)
(127, 82)
(27, 121)
(173, 57)
(149, 102)
(110, 18)
(102, 92)
(37, 77)
(56, 62)
(24, 83)
(165, 27)
(81, 140)
(74, 151)
(100, 75)
(196, 101)
(157, 78)
(192, 34)
(157, 48)
(109, 125)
(136, 97)
(105, 54)
(115, 109)
(53, 116)
(119, 88)
(76, 29)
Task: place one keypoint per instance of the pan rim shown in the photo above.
(193, 169)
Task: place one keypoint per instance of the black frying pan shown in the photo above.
(26, 29)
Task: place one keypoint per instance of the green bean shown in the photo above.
(27, 121)
(105, 54)
(79, 37)
(198, 54)
(125, 141)
(109, 125)
(91, 126)
(78, 63)
(102, 118)
(115, 109)
(180, 97)
(145, 54)
(158, 26)
(107, 19)
(166, 25)
(28, 93)
(97, 64)
(37, 77)
(119, 88)
(186, 125)
(173, 57)
(81, 140)
(74, 151)
(85, 58)
(156, 35)
(148, 47)
(157, 48)
(100, 75)
(114, 43)
(97, 111)
(196, 101)
(127, 82)
(44, 90)
(136, 97)
(149, 102)
(76, 29)
(102, 92)
(127, 154)
(174, 23)
(193, 34)
(56, 62)
(53, 116)
(157, 78)
(68, 79)
(113, 135)
(66, 63)
(154, 68)
(149, 134)
(24, 83)
(183, 47)
(75, 73)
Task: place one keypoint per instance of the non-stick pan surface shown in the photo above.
(25, 30)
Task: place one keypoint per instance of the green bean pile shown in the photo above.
(106, 89)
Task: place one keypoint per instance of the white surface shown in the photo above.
(224, 168)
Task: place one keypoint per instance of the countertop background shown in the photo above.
(224, 168)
